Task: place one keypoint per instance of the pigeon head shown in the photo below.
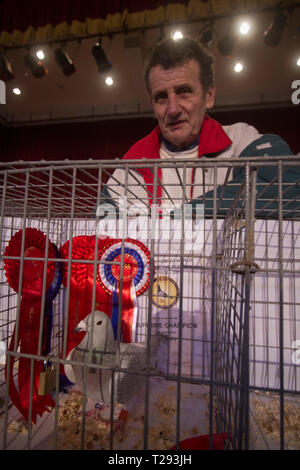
(99, 328)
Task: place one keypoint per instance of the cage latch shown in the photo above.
(239, 267)
(47, 377)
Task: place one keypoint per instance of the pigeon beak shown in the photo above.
(77, 329)
(80, 327)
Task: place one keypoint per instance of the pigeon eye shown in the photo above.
(99, 322)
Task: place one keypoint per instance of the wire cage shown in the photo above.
(157, 311)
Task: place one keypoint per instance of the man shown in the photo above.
(179, 77)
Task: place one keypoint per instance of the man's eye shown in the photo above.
(160, 97)
(184, 91)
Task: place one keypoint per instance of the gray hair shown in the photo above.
(169, 53)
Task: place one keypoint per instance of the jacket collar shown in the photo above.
(213, 139)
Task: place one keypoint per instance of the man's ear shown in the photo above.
(210, 97)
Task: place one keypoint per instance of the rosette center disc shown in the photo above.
(130, 269)
(33, 269)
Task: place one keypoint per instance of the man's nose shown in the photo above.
(173, 106)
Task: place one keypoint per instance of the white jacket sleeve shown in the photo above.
(242, 135)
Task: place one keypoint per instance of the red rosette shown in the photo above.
(34, 247)
(81, 284)
(30, 314)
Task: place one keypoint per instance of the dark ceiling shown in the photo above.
(266, 79)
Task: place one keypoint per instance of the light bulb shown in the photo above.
(40, 54)
(244, 28)
(109, 81)
(177, 35)
(238, 67)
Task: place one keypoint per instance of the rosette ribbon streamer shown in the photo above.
(27, 337)
(50, 296)
(134, 281)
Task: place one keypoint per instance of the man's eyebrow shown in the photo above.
(177, 88)
(184, 85)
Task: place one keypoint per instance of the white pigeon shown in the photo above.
(99, 347)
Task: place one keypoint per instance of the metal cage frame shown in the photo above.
(58, 195)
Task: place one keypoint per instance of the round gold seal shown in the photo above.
(165, 292)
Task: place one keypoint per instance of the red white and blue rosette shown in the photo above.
(134, 281)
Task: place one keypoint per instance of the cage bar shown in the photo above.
(225, 304)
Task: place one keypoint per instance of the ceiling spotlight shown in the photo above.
(17, 91)
(226, 44)
(238, 67)
(6, 73)
(36, 67)
(244, 28)
(102, 62)
(298, 62)
(64, 62)
(206, 36)
(272, 36)
(109, 81)
(40, 54)
(177, 35)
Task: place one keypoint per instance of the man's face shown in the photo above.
(179, 102)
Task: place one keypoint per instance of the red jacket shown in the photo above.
(213, 140)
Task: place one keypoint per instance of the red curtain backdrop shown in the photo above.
(20, 14)
(112, 138)
(75, 141)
